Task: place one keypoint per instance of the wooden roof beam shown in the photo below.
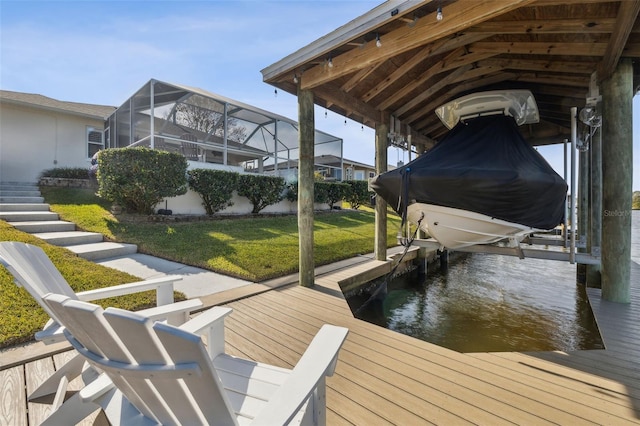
(539, 48)
(334, 95)
(540, 65)
(627, 15)
(459, 16)
(455, 59)
(440, 84)
(441, 46)
(555, 26)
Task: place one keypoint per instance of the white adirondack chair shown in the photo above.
(162, 374)
(32, 269)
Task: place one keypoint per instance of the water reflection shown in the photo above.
(490, 303)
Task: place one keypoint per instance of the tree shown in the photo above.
(207, 116)
(636, 200)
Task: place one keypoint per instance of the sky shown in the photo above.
(101, 52)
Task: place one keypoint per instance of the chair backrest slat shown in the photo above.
(33, 270)
(137, 335)
(207, 391)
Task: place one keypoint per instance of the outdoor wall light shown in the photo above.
(330, 63)
(439, 15)
(378, 42)
(295, 78)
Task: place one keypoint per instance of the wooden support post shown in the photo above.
(306, 141)
(617, 164)
(594, 242)
(382, 131)
(583, 210)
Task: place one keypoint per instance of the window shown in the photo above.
(95, 141)
(359, 175)
(372, 175)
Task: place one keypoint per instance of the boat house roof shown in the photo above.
(399, 60)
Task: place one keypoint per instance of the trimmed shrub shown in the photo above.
(262, 191)
(336, 192)
(66, 173)
(358, 193)
(323, 192)
(139, 178)
(214, 186)
(291, 192)
(320, 192)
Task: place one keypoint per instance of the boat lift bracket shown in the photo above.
(518, 251)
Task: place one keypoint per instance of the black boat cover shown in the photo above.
(485, 166)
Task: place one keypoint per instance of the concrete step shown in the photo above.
(23, 207)
(44, 226)
(103, 250)
(17, 186)
(20, 192)
(70, 238)
(28, 216)
(18, 199)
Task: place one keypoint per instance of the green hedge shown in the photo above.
(139, 178)
(66, 173)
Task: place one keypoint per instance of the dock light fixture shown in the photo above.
(439, 15)
(295, 78)
(378, 42)
(330, 63)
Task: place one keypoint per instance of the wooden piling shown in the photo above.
(594, 240)
(382, 130)
(617, 164)
(306, 142)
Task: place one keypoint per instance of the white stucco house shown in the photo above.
(39, 133)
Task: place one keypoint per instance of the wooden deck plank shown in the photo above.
(613, 407)
(37, 372)
(13, 409)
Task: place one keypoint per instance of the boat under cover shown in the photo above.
(481, 183)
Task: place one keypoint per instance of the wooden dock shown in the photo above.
(387, 378)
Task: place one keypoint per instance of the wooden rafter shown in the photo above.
(555, 26)
(406, 38)
(627, 15)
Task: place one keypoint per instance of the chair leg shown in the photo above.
(69, 371)
(72, 411)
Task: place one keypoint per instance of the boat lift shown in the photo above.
(538, 244)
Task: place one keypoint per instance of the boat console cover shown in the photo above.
(483, 165)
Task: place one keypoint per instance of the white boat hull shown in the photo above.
(455, 228)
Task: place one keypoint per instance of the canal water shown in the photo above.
(491, 303)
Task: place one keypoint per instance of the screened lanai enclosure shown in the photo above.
(212, 131)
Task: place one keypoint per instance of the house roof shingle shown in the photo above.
(43, 102)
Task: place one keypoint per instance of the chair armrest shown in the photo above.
(175, 313)
(318, 361)
(162, 285)
(211, 322)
